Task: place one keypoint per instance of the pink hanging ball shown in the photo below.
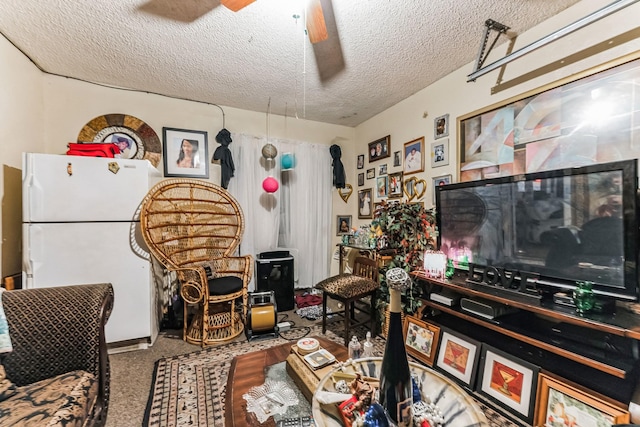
(270, 184)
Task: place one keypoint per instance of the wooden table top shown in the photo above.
(248, 371)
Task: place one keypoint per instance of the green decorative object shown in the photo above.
(583, 296)
(450, 269)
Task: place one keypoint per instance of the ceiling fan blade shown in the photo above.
(316, 26)
(236, 5)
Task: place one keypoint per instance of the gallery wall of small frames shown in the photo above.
(399, 174)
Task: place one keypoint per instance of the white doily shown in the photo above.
(271, 398)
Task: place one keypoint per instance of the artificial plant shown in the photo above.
(407, 230)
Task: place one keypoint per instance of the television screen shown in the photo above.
(567, 225)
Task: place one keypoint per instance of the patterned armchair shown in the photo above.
(193, 228)
(58, 371)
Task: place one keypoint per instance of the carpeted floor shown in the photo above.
(189, 389)
(132, 372)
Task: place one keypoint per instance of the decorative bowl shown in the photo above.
(458, 407)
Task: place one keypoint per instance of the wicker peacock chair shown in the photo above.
(193, 227)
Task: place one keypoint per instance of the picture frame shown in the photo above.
(365, 204)
(421, 339)
(175, 165)
(441, 126)
(360, 163)
(458, 357)
(413, 156)
(380, 148)
(517, 135)
(397, 160)
(438, 181)
(561, 401)
(382, 186)
(343, 225)
(508, 381)
(360, 179)
(371, 173)
(382, 170)
(395, 185)
(440, 153)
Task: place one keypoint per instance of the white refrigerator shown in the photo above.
(81, 225)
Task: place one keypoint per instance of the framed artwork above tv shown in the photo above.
(581, 120)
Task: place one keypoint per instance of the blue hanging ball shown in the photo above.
(288, 161)
(375, 416)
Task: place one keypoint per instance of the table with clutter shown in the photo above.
(264, 390)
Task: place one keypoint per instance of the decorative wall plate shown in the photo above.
(141, 140)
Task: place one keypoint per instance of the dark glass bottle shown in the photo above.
(396, 394)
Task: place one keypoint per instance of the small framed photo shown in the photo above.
(185, 153)
(395, 185)
(564, 403)
(508, 381)
(382, 186)
(440, 153)
(414, 156)
(371, 173)
(441, 127)
(440, 181)
(421, 339)
(344, 225)
(397, 160)
(458, 357)
(360, 179)
(379, 149)
(382, 170)
(360, 161)
(365, 204)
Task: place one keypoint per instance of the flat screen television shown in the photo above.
(567, 225)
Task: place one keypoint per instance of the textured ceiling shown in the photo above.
(378, 52)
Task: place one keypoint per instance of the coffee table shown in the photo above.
(248, 371)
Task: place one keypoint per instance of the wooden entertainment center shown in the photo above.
(597, 351)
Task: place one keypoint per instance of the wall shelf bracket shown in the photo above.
(589, 19)
(490, 26)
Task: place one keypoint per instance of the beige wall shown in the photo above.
(453, 95)
(21, 128)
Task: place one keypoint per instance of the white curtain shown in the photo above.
(296, 216)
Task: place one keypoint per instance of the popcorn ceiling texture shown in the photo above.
(199, 50)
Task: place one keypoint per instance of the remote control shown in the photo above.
(301, 421)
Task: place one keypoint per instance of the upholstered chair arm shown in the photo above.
(59, 330)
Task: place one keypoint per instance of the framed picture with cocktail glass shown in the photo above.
(458, 357)
(508, 381)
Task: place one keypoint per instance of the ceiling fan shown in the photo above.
(316, 26)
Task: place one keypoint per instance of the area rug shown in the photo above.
(189, 390)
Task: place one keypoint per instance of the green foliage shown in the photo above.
(408, 230)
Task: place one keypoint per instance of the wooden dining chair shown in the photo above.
(350, 289)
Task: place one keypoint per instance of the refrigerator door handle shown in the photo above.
(27, 258)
